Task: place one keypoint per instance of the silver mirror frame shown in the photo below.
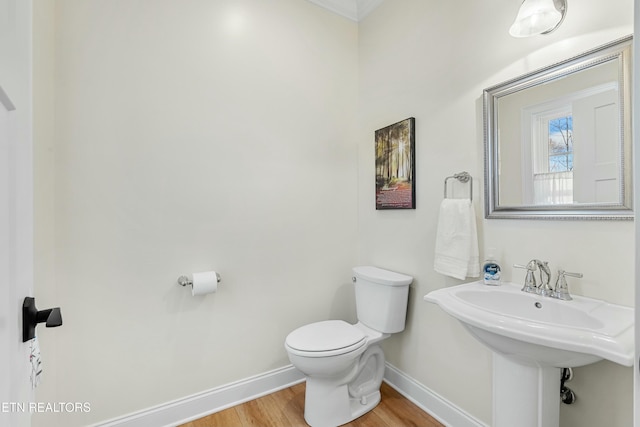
(619, 49)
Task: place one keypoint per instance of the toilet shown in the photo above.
(342, 362)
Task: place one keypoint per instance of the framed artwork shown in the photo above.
(395, 166)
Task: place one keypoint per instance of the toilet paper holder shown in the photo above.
(185, 281)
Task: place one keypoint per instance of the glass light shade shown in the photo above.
(535, 17)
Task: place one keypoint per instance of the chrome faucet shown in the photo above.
(561, 290)
(530, 280)
(545, 277)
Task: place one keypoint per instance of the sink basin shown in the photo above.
(541, 330)
(532, 338)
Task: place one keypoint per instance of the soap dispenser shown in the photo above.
(491, 270)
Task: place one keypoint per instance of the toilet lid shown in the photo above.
(325, 336)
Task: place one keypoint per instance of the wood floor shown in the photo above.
(286, 407)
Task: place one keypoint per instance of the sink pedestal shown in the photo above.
(525, 395)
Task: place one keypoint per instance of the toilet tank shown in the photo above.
(381, 298)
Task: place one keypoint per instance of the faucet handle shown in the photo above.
(562, 289)
(531, 266)
(566, 273)
(530, 280)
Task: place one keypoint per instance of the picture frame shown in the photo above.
(395, 166)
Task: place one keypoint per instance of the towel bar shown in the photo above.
(463, 177)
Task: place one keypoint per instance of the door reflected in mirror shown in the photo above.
(558, 141)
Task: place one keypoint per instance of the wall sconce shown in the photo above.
(538, 17)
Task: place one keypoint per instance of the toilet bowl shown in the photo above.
(344, 370)
(343, 364)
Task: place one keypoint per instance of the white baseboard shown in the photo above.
(202, 404)
(428, 400)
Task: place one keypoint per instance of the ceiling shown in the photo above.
(355, 10)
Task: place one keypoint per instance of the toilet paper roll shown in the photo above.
(204, 283)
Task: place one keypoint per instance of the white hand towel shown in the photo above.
(457, 240)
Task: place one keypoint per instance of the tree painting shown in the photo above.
(395, 166)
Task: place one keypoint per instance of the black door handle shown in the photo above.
(52, 317)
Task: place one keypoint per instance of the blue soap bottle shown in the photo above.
(491, 270)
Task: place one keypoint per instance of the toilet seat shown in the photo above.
(325, 339)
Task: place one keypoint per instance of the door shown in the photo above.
(636, 196)
(636, 185)
(15, 269)
(16, 208)
(596, 133)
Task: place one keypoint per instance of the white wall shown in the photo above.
(431, 60)
(189, 135)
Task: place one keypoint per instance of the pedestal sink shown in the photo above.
(532, 338)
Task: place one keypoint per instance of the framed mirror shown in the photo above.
(558, 140)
